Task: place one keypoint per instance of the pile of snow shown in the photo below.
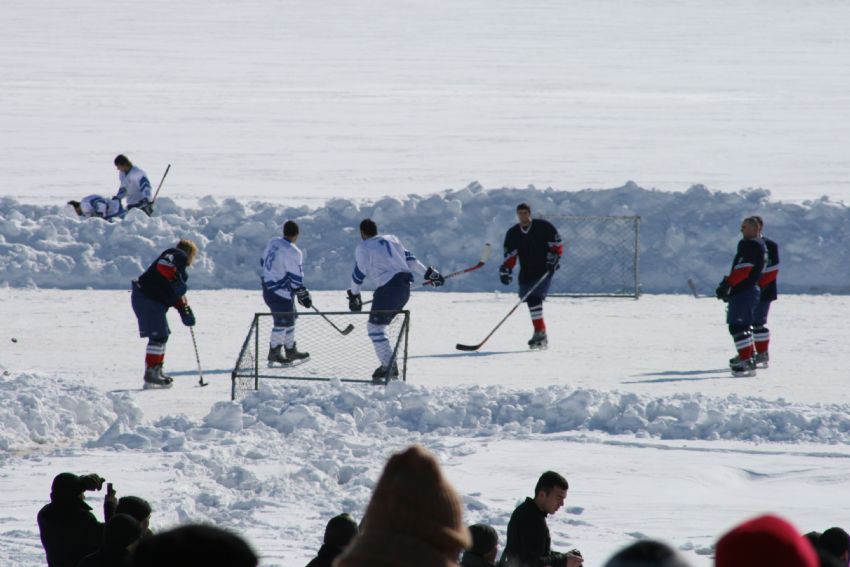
(689, 234)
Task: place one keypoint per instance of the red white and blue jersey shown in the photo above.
(165, 280)
(282, 267)
(380, 258)
(98, 206)
(531, 246)
(748, 265)
(134, 186)
(767, 281)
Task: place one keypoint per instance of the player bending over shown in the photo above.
(98, 206)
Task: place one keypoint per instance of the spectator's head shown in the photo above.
(647, 553)
(813, 538)
(485, 542)
(290, 230)
(340, 531)
(65, 486)
(77, 207)
(414, 519)
(550, 492)
(122, 530)
(189, 247)
(136, 507)
(836, 542)
(766, 540)
(368, 229)
(122, 163)
(194, 545)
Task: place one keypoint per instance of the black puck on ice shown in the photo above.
(14, 340)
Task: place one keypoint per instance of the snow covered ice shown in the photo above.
(327, 113)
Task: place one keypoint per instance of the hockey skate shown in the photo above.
(155, 379)
(744, 368)
(538, 341)
(734, 360)
(294, 356)
(380, 374)
(277, 358)
(762, 359)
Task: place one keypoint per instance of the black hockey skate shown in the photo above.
(381, 374)
(762, 359)
(538, 341)
(277, 358)
(295, 356)
(155, 379)
(744, 368)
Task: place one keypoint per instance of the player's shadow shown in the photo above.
(474, 353)
(683, 376)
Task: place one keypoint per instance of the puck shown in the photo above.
(14, 340)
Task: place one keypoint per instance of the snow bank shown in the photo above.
(689, 234)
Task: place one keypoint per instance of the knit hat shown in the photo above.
(194, 546)
(340, 531)
(484, 539)
(768, 541)
(134, 506)
(414, 519)
(121, 531)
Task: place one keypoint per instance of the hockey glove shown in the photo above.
(434, 277)
(303, 297)
(505, 275)
(91, 482)
(355, 303)
(553, 262)
(186, 315)
(723, 289)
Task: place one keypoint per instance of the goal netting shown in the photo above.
(601, 256)
(333, 355)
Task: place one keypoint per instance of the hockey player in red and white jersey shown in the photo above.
(767, 283)
(283, 281)
(98, 206)
(537, 245)
(135, 186)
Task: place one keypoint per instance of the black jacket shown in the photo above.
(165, 280)
(326, 556)
(108, 556)
(529, 544)
(471, 560)
(69, 531)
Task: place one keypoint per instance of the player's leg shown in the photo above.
(740, 319)
(283, 329)
(761, 334)
(153, 325)
(539, 338)
(387, 301)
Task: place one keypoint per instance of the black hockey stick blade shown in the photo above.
(348, 329)
(468, 348)
(201, 382)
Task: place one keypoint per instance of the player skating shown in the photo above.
(385, 260)
(740, 289)
(161, 286)
(98, 206)
(283, 279)
(537, 245)
(135, 186)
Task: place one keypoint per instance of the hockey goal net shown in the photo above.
(346, 357)
(601, 256)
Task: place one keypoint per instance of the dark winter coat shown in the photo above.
(108, 556)
(472, 560)
(326, 556)
(529, 544)
(69, 531)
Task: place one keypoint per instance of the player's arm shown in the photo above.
(358, 274)
(413, 263)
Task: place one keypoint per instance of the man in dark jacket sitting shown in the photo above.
(68, 529)
(338, 534)
(529, 544)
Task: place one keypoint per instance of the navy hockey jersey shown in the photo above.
(767, 282)
(165, 280)
(531, 246)
(747, 266)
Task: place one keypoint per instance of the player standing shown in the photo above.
(283, 279)
(740, 289)
(385, 260)
(134, 185)
(767, 283)
(537, 245)
(161, 286)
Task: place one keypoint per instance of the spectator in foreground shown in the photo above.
(765, 541)
(338, 534)
(485, 546)
(121, 532)
(647, 553)
(194, 546)
(836, 542)
(414, 519)
(139, 509)
(68, 529)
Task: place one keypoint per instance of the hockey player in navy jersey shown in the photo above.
(160, 287)
(537, 245)
(98, 206)
(283, 280)
(135, 186)
(390, 266)
(767, 283)
(740, 289)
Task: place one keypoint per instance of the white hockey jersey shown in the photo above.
(282, 271)
(134, 186)
(99, 206)
(380, 258)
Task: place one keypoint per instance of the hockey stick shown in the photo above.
(505, 318)
(343, 332)
(201, 382)
(161, 181)
(485, 255)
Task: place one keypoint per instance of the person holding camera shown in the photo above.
(68, 529)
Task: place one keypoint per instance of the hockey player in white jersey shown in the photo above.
(98, 206)
(135, 186)
(283, 279)
(386, 262)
